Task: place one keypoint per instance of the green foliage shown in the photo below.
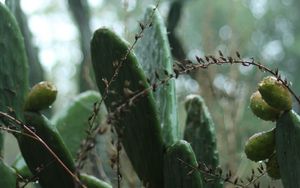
(140, 129)
(8, 176)
(13, 61)
(51, 173)
(176, 172)
(153, 52)
(287, 139)
(72, 122)
(92, 182)
(200, 132)
(21, 167)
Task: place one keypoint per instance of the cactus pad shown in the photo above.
(153, 52)
(139, 129)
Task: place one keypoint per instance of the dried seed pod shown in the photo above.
(273, 168)
(41, 96)
(275, 93)
(261, 109)
(260, 146)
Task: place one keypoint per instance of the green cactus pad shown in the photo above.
(200, 133)
(21, 167)
(38, 157)
(139, 128)
(40, 97)
(8, 176)
(13, 65)
(275, 93)
(261, 109)
(93, 182)
(72, 122)
(153, 52)
(273, 168)
(1, 143)
(261, 145)
(178, 174)
(287, 138)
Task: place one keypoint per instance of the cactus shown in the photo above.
(200, 132)
(92, 182)
(13, 61)
(153, 52)
(21, 167)
(287, 137)
(8, 176)
(176, 173)
(51, 173)
(72, 122)
(261, 145)
(139, 130)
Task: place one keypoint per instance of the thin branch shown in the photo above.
(22, 125)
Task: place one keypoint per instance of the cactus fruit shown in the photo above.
(287, 138)
(261, 145)
(178, 174)
(40, 97)
(153, 52)
(139, 130)
(273, 168)
(200, 133)
(39, 160)
(261, 109)
(8, 176)
(275, 93)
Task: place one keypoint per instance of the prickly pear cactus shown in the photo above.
(72, 122)
(177, 174)
(8, 176)
(93, 182)
(21, 167)
(200, 132)
(139, 129)
(40, 162)
(13, 61)
(153, 52)
(287, 139)
(1, 144)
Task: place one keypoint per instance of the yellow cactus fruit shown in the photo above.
(261, 109)
(275, 93)
(41, 96)
(260, 146)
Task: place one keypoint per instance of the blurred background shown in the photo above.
(58, 33)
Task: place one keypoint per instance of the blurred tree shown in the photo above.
(81, 15)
